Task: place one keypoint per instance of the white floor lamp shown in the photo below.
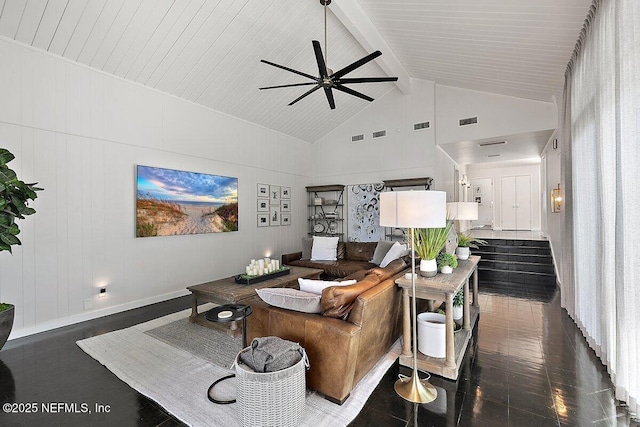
(414, 209)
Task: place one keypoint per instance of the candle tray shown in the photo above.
(258, 279)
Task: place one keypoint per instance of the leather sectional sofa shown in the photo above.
(342, 348)
(352, 257)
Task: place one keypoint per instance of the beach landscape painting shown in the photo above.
(172, 202)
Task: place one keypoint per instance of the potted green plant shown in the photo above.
(14, 200)
(466, 241)
(458, 302)
(428, 242)
(446, 262)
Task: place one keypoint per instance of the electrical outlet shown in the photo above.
(88, 304)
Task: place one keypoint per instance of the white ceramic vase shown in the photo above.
(428, 267)
(463, 252)
(446, 269)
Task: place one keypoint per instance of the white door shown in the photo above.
(523, 202)
(482, 193)
(516, 202)
(508, 202)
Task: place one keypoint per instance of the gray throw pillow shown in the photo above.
(382, 248)
(307, 244)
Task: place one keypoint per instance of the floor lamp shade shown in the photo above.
(462, 211)
(413, 209)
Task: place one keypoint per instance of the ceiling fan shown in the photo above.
(328, 79)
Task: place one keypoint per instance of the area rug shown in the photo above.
(177, 379)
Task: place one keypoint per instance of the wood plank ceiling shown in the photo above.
(513, 47)
(208, 51)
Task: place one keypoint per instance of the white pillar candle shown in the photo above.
(260, 263)
(248, 269)
(253, 261)
(277, 265)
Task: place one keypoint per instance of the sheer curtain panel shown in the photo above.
(601, 119)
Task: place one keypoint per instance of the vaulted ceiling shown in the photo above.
(208, 51)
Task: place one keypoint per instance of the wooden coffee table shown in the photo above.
(227, 291)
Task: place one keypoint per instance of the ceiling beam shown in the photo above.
(358, 23)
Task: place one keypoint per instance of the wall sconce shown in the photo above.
(556, 200)
(464, 181)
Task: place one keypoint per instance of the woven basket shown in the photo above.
(273, 399)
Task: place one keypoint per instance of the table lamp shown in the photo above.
(414, 209)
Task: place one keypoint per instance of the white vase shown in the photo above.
(457, 312)
(446, 269)
(463, 252)
(428, 267)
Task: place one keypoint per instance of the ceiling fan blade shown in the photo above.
(332, 103)
(367, 80)
(291, 85)
(353, 92)
(358, 63)
(290, 70)
(322, 67)
(305, 94)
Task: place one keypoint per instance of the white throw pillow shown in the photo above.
(382, 248)
(291, 299)
(316, 286)
(396, 251)
(324, 249)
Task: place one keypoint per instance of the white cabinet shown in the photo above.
(516, 202)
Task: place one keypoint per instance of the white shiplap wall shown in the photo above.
(80, 133)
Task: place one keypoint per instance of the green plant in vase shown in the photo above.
(446, 262)
(428, 242)
(14, 204)
(466, 241)
(458, 302)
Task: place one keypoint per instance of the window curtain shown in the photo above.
(601, 159)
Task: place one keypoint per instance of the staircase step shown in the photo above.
(504, 242)
(509, 249)
(528, 267)
(530, 258)
(493, 275)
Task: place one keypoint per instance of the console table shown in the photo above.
(442, 288)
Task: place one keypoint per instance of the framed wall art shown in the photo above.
(263, 220)
(173, 202)
(285, 192)
(274, 215)
(263, 191)
(272, 201)
(274, 194)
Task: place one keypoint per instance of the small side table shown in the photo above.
(231, 313)
(225, 314)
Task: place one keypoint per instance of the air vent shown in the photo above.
(487, 144)
(419, 126)
(468, 121)
(494, 155)
(380, 134)
(357, 138)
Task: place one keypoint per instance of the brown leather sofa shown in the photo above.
(352, 257)
(341, 352)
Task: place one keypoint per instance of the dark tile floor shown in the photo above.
(528, 366)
